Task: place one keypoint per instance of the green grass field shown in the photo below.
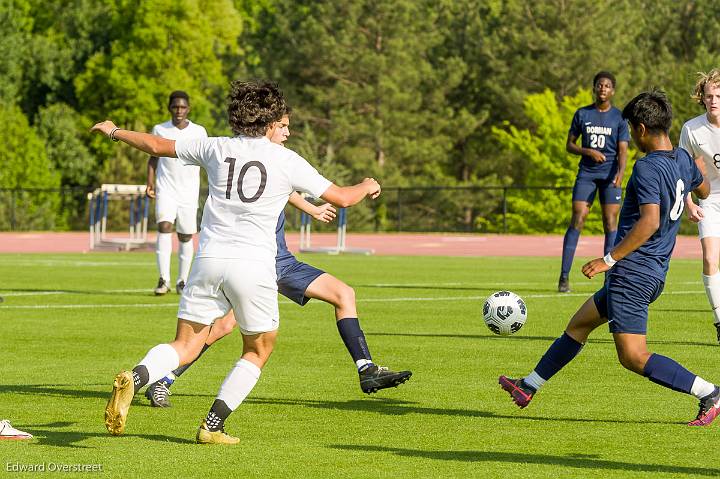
(70, 322)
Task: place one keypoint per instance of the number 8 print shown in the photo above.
(677, 208)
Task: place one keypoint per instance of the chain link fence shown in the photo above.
(461, 209)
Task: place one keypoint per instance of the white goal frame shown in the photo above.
(138, 224)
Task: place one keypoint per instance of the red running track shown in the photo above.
(404, 244)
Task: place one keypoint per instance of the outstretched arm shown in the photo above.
(344, 196)
(151, 144)
(645, 227)
(324, 213)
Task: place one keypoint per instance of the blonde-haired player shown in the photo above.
(700, 136)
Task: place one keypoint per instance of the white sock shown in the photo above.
(534, 380)
(701, 388)
(185, 256)
(159, 361)
(712, 289)
(362, 364)
(238, 383)
(163, 251)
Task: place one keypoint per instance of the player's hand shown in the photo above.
(596, 266)
(150, 190)
(695, 213)
(597, 156)
(104, 127)
(373, 187)
(617, 181)
(325, 213)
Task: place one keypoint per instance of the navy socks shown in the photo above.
(560, 352)
(609, 241)
(354, 339)
(182, 369)
(667, 372)
(570, 242)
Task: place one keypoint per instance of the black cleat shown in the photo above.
(158, 394)
(375, 378)
(717, 330)
(179, 286)
(162, 287)
(564, 285)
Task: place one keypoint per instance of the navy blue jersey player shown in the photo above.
(603, 154)
(637, 265)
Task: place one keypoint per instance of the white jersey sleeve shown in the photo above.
(194, 151)
(306, 178)
(688, 143)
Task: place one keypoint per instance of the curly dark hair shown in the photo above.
(254, 106)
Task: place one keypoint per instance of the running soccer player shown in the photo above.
(603, 153)
(250, 180)
(636, 266)
(701, 138)
(301, 282)
(175, 188)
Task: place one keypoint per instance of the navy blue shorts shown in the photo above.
(588, 182)
(624, 301)
(294, 279)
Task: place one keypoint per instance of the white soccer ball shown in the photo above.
(504, 313)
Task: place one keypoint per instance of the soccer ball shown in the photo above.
(504, 313)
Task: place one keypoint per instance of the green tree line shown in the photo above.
(456, 93)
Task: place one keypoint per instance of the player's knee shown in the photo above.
(633, 360)
(164, 227)
(184, 238)
(345, 296)
(610, 223)
(578, 222)
(259, 347)
(710, 263)
(224, 326)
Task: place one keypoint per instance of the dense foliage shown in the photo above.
(456, 93)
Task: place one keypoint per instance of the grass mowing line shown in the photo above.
(51, 292)
(93, 264)
(286, 301)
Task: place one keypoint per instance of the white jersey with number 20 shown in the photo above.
(249, 180)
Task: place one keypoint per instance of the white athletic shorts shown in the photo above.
(710, 224)
(217, 285)
(184, 217)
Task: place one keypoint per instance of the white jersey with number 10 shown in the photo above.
(249, 180)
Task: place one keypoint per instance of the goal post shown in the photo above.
(138, 218)
(341, 243)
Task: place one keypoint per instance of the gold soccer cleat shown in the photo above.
(204, 436)
(117, 407)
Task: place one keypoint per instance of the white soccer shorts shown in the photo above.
(168, 209)
(217, 285)
(710, 224)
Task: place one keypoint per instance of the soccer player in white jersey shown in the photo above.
(701, 138)
(250, 180)
(300, 282)
(175, 187)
